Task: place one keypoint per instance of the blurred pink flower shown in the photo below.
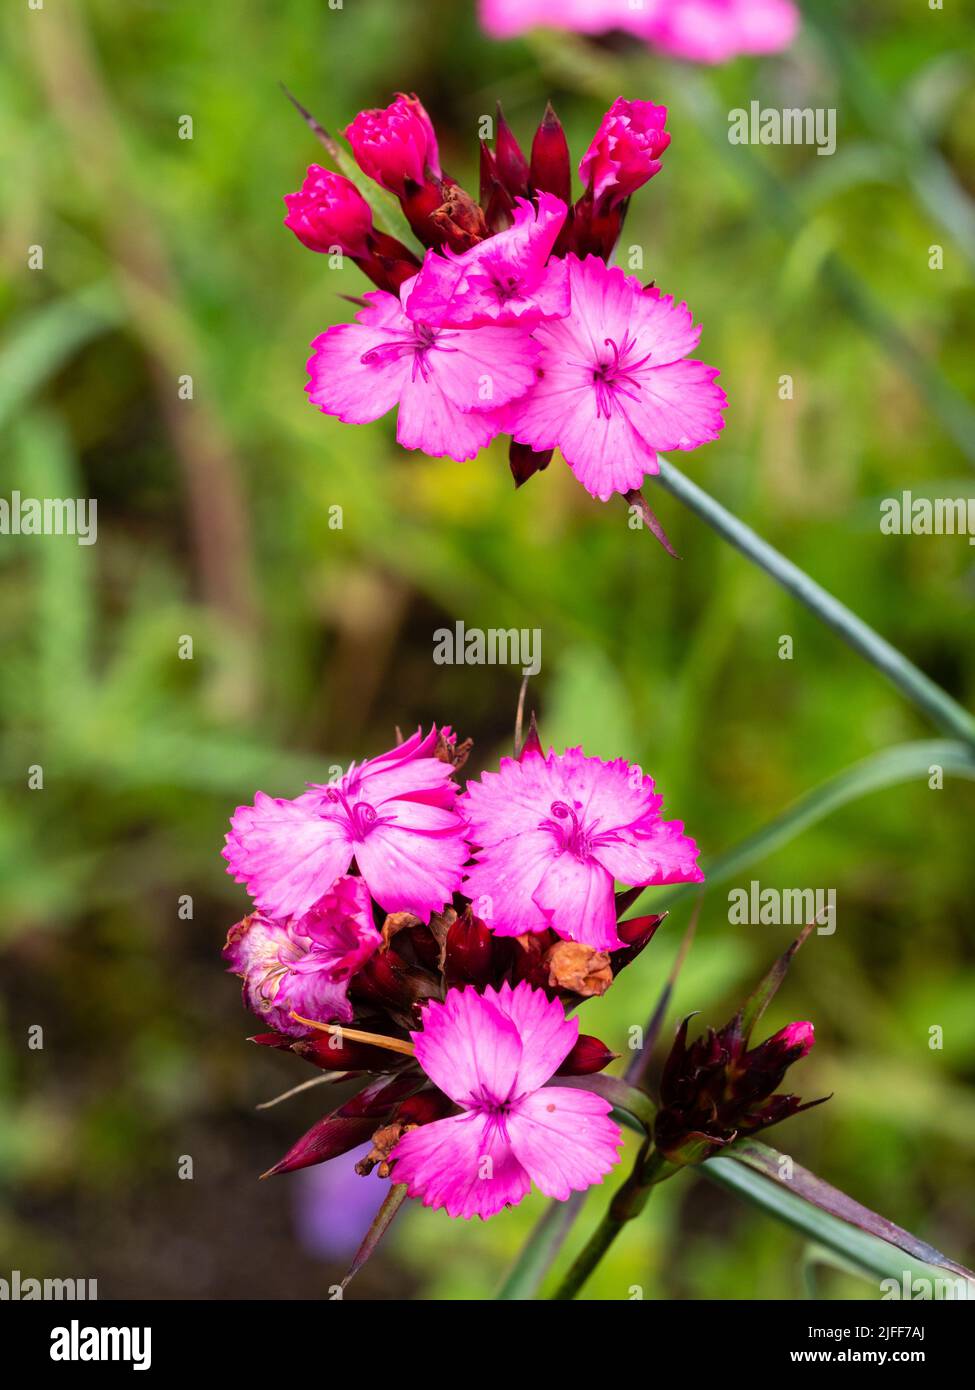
(447, 383)
(492, 1054)
(394, 814)
(506, 279)
(304, 965)
(554, 832)
(705, 31)
(614, 384)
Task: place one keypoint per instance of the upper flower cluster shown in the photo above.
(513, 323)
(468, 922)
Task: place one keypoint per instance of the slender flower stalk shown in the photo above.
(649, 1168)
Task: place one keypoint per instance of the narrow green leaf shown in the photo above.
(768, 1161)
(540, 1250)
(905, 762)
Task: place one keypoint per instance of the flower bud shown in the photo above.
(348, 1126)
(328, 214)
(625, 151)
(468, 952)
(396, 145)
(550, 171)
(512, 166)
(588, 1055)
(524, 461)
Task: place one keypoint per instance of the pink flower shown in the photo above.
(304, 965)
(447, 383)
(393, 814)
(706, 31)
(329, 212)
(713, 31)
(492, 1054)
(507, 279)
(395, 144)
(625, 151)
(613, 386)
(554, 832)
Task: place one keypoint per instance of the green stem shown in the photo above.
(539, 1252)
(649, 1168)
(936, 703)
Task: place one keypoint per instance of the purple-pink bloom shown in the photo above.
(625, 151)
(328, 212)
(506, 279)
(705, 31)
(393, 814)
(395, 144)
(304, 965)
(447, 382)
(492, 1054)
(554, 832)
(614, 385)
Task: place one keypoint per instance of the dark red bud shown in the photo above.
(468, 952)
(550, 171)
(332, 1052)
(524, 461)
(637, 933)
(595, 230)
(387, 262)
(424, 1108)
(532, 743)
(272, 1040)
(348, 1126)
(511, 163)
(587, 1056)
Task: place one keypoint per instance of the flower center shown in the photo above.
(568, 830)
(419, 340)
(614, 377)
(361, 816)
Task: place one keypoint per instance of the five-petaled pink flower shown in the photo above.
(492, 1054)
(614, 385)
(448, 382)
(507, 279)
(554, 832)
(393, 814)
(304, 965)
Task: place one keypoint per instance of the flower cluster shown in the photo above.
(513, 323)
(704, 31)
(455, 931)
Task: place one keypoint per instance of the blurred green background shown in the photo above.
(166, 257)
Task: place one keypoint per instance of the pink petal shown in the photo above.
(408, 871)
(547, 1036)
(577, 897)
(285, 854)
(340, 383)
(482, 369)
(430, 422)
(501, 883)
(656, 853)
(564, 1138)
(463, 1163)
(678, 405)
(470, 1048)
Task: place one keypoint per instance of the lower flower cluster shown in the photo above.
(431, 944)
